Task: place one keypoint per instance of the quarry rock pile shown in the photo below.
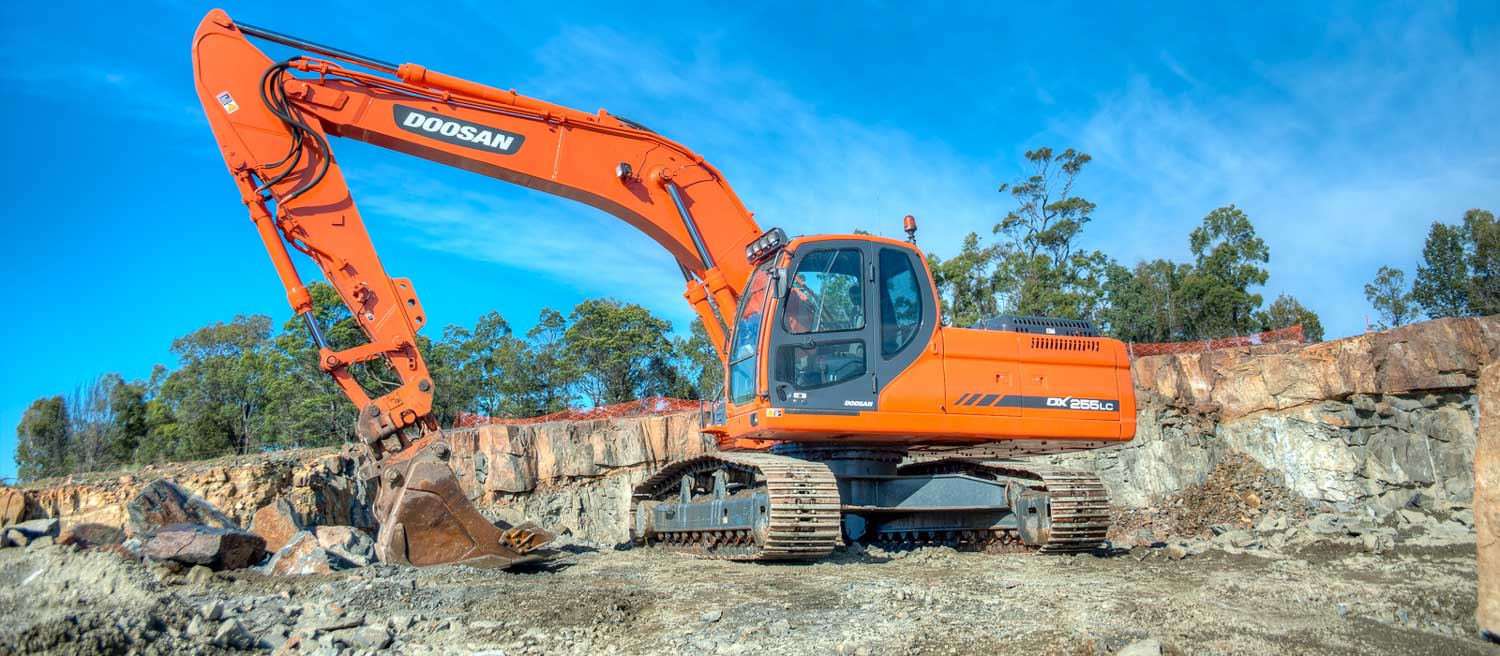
(1336, 584)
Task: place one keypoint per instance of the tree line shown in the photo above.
(245, 386)
(1459, 275)
(1035, 266)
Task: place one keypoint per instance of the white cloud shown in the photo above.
(1341, 163)
(796, 165)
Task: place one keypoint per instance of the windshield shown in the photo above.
(826, 295)
(743, 365)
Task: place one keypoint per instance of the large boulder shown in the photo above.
(212, 547)
(303, 555)
(165, 503)
(277, 522)
(91, 535)
(25, 533)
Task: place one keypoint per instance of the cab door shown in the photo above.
(822, 345)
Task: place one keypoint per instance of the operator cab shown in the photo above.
(826, 321)
(839, 338)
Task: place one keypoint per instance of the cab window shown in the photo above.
(900, 302)
(820, 365)
(743, 365)
(826, 293)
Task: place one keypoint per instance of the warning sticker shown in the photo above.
(230, 106)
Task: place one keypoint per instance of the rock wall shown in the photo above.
(1487, 500)
(320, 485)
(1367, 424)
(571, 476)
(575, 477)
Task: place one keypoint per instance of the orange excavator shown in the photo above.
(843, 389)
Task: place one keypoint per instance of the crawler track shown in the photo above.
(803, 520)
(1078, 516)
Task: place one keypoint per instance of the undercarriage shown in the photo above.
(801, 501)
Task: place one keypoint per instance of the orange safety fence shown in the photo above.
(647, 407)
(1288, 334)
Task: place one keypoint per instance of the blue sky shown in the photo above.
(1343, 129)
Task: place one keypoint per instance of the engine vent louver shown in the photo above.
(1064, 344)
(1039, 326)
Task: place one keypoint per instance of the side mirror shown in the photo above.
(783, 280)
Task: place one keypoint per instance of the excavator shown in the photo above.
(849, 409)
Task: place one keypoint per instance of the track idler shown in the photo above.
(426, 519)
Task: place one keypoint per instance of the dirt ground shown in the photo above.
(1326, 598)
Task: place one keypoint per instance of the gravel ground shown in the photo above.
(1326, 597)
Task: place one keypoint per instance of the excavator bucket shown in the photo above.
(426, 519)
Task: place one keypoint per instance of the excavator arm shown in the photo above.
(272, 121)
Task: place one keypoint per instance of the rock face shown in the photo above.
(1487, 500)
(12, 506)
(573, 477)
(214, 548)
(319, 483)
(1366, 424)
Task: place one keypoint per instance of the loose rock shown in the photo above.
(214, 548)
(347, 542)
(200, 575)
(91, 535)
(372, 637)
(35, 529)
(303, 555)
(232, 635)
(276, 522)
(1147, 647)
